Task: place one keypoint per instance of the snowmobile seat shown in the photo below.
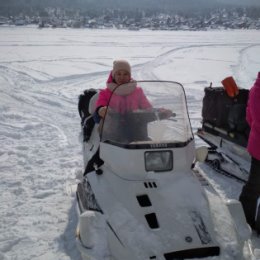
(83, 103)
(89, 122)
(92, 104)
(86, 109)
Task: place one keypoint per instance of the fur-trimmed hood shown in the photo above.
(128, 97)
(124, 89)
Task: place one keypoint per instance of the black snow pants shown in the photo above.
(251, 192)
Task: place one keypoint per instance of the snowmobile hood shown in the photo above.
(167, 216)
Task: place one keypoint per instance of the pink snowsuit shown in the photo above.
(253, 119)
(123, 102)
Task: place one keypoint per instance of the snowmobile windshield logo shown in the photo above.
(158, 145)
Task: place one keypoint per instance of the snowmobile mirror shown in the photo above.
(201, 153)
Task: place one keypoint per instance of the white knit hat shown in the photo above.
(121, 65)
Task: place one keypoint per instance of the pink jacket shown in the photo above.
(253, 119)
(130, 99)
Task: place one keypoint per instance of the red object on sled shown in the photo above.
(230, 86)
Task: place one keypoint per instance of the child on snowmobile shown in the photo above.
(251, 190)
(126, 99)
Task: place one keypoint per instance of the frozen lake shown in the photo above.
(42, 72)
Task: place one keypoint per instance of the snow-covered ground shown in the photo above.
(42, 72)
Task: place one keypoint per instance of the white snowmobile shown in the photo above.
(141, 196)
(225, 129)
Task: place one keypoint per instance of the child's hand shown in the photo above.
(102, 111)
(165, 113)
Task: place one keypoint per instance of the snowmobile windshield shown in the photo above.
(147, 114)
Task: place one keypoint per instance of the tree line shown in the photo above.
(97, 7)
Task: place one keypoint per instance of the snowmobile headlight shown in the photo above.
(158, 161)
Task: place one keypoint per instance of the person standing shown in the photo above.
(251, 190)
